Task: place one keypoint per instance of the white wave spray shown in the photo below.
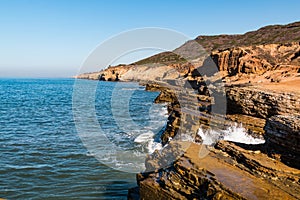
(234, 133)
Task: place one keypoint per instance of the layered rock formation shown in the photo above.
(226, 172)
(112, 73)
(256, 85)
(256, 52)
(150, 73)
(258, 59)
(133, 73)
(276, 34)
(254, 64)
(260, 102)
(184, 170)
(283, 138)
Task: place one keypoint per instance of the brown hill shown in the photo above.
(274, 34)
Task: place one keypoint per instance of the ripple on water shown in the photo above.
(42, 157)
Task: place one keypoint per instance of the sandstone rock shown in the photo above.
(260, 102)
(217, 177)
(190, 177)
(255, 67)
(283, 138)
(150, 73)
(257, 59)
(112, 73)
(239, 62)
(254, 126)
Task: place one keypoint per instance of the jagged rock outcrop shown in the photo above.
(275, 34)
(249, 106)
(256, 52)
(112, 73)
(134, 73)
(224, 172)
(258, 59)
(150, 73)
(283, 138)
(270, 62)
(180, 172)
(260, 71)
(258, 102)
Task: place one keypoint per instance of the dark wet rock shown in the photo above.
(283, 138)
(260, 102)
(208, 173)
(184, 170)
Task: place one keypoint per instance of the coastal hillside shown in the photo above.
(270, 48)
(274, 34)
(261, 75)
(238, 103)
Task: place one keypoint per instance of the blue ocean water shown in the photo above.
(41, 153)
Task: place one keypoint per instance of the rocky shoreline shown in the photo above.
(224, 170)
(251, 81)
(228, 169)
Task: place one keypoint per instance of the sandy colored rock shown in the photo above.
(257, 59)
(214, 176)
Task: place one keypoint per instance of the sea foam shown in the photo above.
(234, 133)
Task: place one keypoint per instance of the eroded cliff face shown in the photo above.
(254, 64)
(226, 170)
(263, 103)
(139, 72)
(260, 87)
(112, 73)
(259, 78)
(150, 73)
(283, 138)
(258, 59)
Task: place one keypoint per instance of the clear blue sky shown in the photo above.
(51, 38)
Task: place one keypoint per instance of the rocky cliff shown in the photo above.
(274, 34)
(254, 64)
(283, 138)
(261, 102)
(262, 94)
(256, 86)
(226, 170)
(112, 73)
(256, 52)
(258, 59)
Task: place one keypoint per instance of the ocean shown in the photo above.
(44, 157)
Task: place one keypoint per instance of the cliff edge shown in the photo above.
(253, 93)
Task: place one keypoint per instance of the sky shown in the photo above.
(53, 38)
